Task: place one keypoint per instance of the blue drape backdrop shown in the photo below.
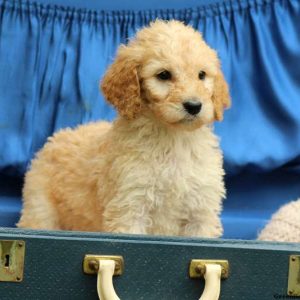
(53, 53)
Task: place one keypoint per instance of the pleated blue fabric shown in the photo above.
(54, 52)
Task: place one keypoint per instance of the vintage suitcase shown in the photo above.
(52, 55)
(154, 267)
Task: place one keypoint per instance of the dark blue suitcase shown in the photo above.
(154, 267)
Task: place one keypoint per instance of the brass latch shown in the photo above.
(294, 276)
(12, 260)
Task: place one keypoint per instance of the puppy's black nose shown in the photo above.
(192, 107)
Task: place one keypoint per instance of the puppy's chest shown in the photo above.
(176, 178)
(170, 172)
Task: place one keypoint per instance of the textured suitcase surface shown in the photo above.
(155, 267)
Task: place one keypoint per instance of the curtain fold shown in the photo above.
(53, 54)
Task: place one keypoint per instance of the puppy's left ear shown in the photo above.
(220, 97)
(120, 85)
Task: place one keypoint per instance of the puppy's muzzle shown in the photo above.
(192, 107)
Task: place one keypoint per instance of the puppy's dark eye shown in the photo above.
(202, 75)
(164, 75)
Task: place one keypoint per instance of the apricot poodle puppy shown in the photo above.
(157, 169)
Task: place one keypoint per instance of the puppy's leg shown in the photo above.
(38, 213)
(204, 224)
(127, 214)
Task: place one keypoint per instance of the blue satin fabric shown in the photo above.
(53, 53)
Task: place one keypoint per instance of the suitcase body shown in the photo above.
(155, 267)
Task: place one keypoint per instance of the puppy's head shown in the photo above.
(169, 72)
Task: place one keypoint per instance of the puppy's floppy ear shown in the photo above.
(220, 97)
(120, 85)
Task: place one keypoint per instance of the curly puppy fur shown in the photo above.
(158, 168)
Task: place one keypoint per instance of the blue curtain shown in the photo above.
(53, 53)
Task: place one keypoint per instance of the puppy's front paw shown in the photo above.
(134, 229)
(205, 230)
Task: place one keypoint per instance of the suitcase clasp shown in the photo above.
(294, 276)
(12, 260)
